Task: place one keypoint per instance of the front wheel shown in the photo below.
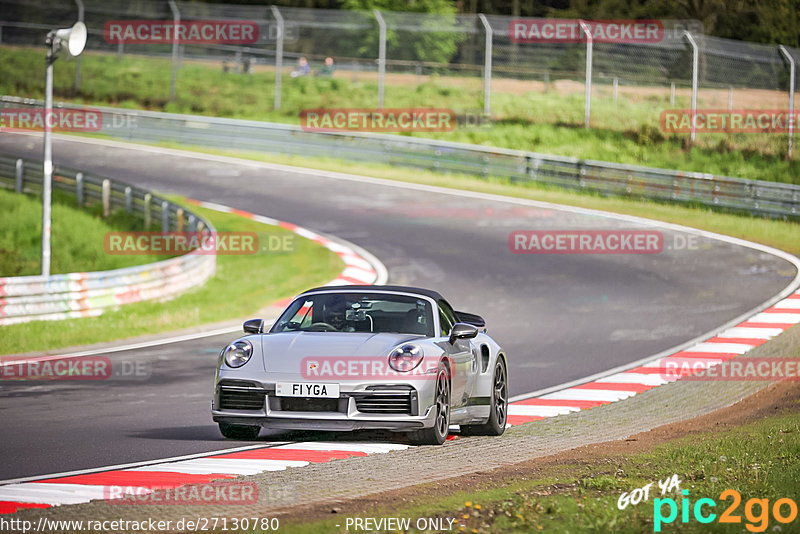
(244, 432)
(498, 414)
(437, 434)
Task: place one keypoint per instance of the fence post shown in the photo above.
(128, 199)
(106, 197)
(176, 21)
(19, 176)
(164, 216)
(695, 62)
(147, 214)
(381, 55)
(120, 48)
(179, 219)
(588, 97)
(730, 98)
(616, 84)
(79, 189)
(487, 66)
(278, 57)
(792, 116)
(672, 94)
(79, 3)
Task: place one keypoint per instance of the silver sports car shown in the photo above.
(364, 357)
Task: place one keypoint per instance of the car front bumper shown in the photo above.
(357, 408)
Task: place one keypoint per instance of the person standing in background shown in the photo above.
(303, 68)
(327, 69)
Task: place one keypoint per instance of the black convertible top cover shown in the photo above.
(398, 289)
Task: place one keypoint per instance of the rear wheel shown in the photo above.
(244, 432)
(437, 434)
(498, 414)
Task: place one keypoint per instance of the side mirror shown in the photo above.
(253, 326)
(462, 331)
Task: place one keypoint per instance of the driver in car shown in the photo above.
(336, 314)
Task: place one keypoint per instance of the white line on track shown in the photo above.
(228, 466)
(9, 360)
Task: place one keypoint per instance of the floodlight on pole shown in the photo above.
(68, 42)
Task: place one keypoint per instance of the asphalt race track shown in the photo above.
(560, 317)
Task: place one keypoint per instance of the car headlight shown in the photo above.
(405, 357)
(238, 353)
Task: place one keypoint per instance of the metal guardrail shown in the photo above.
(63, 296)
(752, 196)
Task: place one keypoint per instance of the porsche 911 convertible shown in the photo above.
(364, 357)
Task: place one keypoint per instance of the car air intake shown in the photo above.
(302, 404)
(241, 398)
(388, 402)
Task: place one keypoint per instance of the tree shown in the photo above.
(402, 42)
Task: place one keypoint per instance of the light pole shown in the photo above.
(71, 41)
(587, 99)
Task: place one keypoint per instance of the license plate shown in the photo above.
(307, 389)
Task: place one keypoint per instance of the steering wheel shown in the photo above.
(322, 327)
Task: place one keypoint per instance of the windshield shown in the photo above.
(357, 312)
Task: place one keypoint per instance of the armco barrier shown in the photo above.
(752, 196)
(64, 296)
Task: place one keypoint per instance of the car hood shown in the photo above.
(284, 352)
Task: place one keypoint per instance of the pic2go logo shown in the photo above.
(756, 511)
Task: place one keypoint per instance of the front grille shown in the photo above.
(399, 403)
(241, 398)
(303, 404)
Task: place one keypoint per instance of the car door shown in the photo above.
(460, 354)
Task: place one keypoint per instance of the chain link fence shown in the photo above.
(400, 51)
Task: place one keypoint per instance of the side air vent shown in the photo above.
(241, 398)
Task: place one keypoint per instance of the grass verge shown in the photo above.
(77, 236)
(242, 285)
(759, 460)
(524, 116)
